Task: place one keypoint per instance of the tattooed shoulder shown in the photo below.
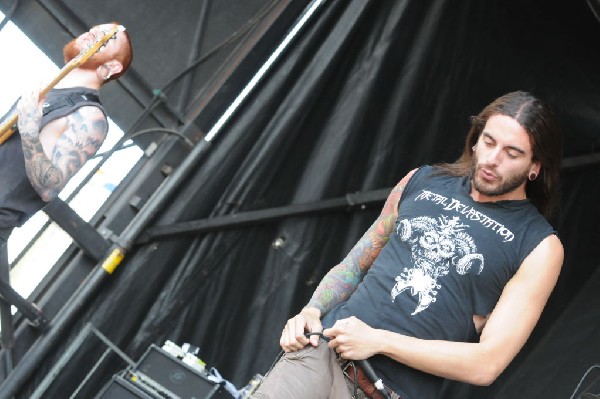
(88, 120)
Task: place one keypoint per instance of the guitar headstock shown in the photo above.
(98, 45)
(113, 36)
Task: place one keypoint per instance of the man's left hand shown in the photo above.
(352, 339)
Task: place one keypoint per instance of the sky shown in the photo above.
(14, 75)
(32, 68)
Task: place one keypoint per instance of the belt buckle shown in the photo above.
(345, 365)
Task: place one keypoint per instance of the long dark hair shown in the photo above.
(546, 140)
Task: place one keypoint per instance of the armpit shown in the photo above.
(479, 322)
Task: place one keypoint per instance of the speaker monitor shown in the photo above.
(120, 388)
(178, 377)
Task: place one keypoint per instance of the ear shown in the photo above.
(114, 67)
(536, 168)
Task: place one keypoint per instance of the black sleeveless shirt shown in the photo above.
(448, 259)
(18, 199)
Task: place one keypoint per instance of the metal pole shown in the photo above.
(219, 223)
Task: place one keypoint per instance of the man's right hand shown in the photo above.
(30, 114)
(292, 336)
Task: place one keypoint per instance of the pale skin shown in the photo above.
(502, 151)
(55, 153)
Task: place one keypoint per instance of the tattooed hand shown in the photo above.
(29, 112)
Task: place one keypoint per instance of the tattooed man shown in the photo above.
(58, 133)
(449, 281)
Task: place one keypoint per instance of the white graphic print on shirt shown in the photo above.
(436, 245)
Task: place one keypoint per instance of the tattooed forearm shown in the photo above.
(44, 176)
(343, 279)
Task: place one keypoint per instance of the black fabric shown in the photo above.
(61, 102)
(4, 234)
(369, 91)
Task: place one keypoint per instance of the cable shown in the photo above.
(583, 378)
(160, 94)
(365, 365)
(162, 130)
(234, 36)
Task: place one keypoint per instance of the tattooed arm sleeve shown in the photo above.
(85, 131)
(341, 281)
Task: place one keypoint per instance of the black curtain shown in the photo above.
(370, 90)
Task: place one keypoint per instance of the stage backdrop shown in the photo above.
(370, 90)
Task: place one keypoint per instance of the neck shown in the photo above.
(80, 78)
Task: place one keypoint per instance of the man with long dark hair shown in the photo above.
(452, 277)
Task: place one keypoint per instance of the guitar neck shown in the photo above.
(7, 128)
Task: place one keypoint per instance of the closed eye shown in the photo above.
(514, 152)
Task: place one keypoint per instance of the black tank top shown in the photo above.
(18, 199)
(448, 259)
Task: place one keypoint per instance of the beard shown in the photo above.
(504, 186)
(72, 50)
